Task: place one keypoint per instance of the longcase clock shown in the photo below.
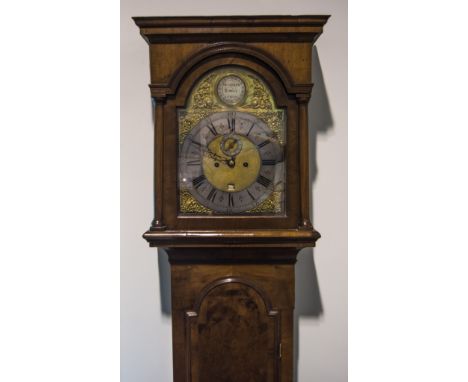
(231, 195)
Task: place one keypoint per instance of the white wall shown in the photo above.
(321, 306)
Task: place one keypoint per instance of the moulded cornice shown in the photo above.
(231, 28)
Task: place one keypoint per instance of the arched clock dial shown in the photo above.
(231, 162)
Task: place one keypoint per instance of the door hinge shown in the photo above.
(280, 350)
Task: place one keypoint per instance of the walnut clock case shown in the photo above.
(231, 186)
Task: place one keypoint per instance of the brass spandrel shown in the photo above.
(272, 204)
(257, 101)
(188, 204)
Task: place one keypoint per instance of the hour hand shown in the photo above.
(215, 156)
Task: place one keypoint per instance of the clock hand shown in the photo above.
(206, 150)
(215, 156)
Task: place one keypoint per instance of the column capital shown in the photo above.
(302, 98)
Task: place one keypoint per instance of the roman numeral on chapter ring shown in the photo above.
(212, 195)
(250, 129)
(198, 181)
(212, 129)
(250, 194)
(195, 162)
(263, 144)
(196, 143)
(268, 162)
(232, 124)
(230, 200)
(265, 182)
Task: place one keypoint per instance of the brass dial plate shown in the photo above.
(253, 182)
(232, 173)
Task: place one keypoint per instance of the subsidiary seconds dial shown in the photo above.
(229, 162)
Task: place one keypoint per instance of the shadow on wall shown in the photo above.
(164, 282)
(308, 299)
